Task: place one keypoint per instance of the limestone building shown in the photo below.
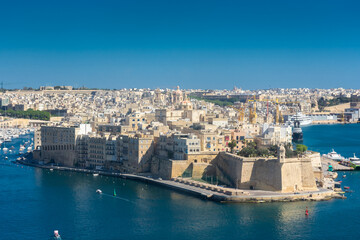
(58, 144)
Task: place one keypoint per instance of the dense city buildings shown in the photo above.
(178, 133)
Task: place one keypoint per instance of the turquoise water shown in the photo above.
(344, 139)
(34, 202)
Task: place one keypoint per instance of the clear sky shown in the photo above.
(194, 44)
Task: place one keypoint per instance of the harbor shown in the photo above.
(141, 197)
(7, 135)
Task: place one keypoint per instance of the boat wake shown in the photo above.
(109, 195)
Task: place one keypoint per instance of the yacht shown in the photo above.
(302, 118)
(355, 162)
(334, 156)
(5, 149)
(22, 148)
(29, 149)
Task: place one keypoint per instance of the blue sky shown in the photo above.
(194, 44)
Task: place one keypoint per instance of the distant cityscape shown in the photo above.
(242, 139)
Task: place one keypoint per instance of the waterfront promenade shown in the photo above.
(208, 191)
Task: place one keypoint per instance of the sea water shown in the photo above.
(34, 202)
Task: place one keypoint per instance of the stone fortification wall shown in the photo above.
(290, 175)
(179, 167)
(228, 169)
(195, 166)
(260, 174)
(198, 170)
(307, 175)
(161, 167)
(248, 173)
(315, 159)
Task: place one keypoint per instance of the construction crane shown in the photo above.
(278, 117)
(241, 112)
(252, 110)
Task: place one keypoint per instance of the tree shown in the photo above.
(273, 149)
(263, 152)
(300, 148)
(232, 145)
(248, 152)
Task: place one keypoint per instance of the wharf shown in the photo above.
(207, 191)
(335, 165)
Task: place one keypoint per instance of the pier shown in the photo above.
(335, 165)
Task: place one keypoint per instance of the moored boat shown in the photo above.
(334, 156)
(5, 150)
(302, 118)
(355, 162)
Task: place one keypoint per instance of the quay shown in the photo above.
(335, 165)
(207, 191)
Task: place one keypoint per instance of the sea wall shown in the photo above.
(291, 175)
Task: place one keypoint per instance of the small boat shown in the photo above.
(51, 169)
(5, 149)
(98, 191)
(95, 174)
(344, 176)
(57, 235)
(114, 194)
(22, 148)
(6, 158)
(346, 187)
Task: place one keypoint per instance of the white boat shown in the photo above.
(302, 118)
(98, 191)
(57, 235)
(95, 174)
(334, 156)
(355, 162)
(5, 150)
